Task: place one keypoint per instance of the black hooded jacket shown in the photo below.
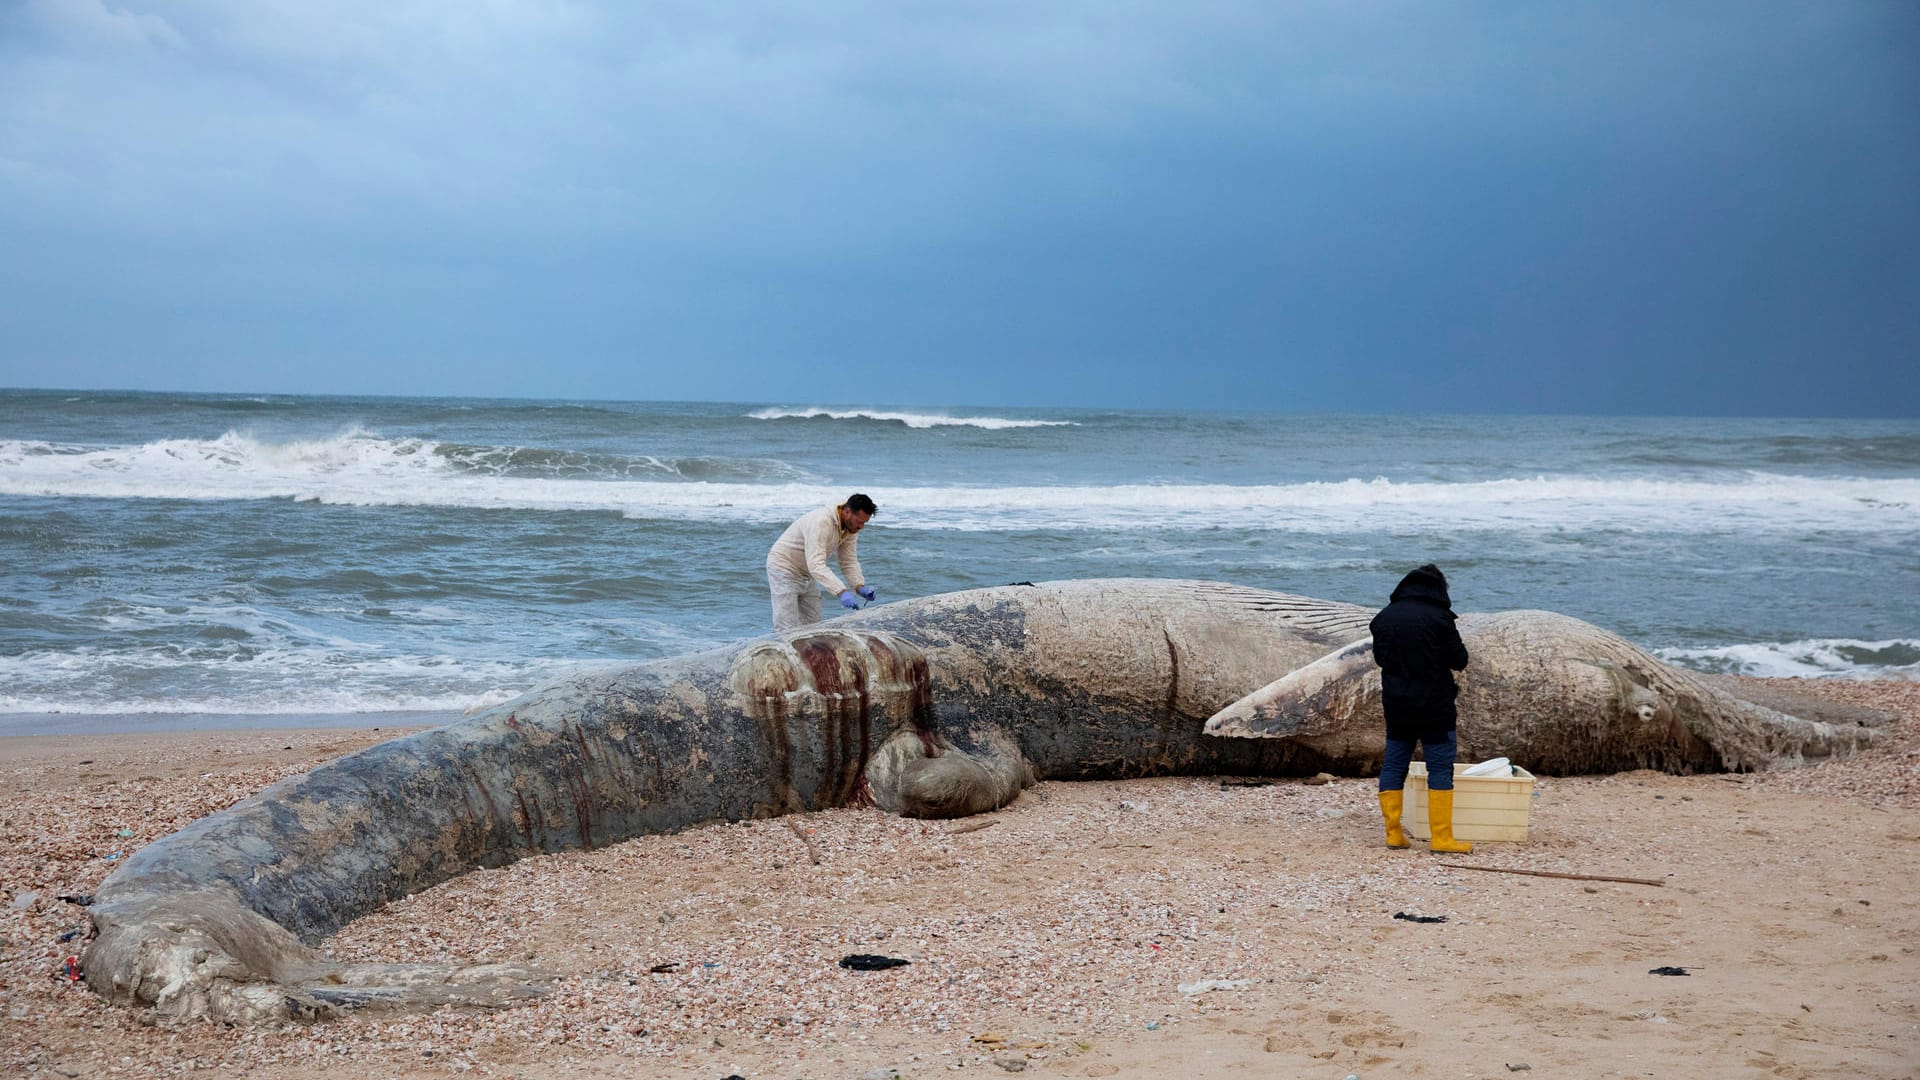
(1418, 649)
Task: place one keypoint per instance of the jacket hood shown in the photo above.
(1425, 583)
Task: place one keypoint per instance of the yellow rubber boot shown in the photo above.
(1440, 820)
(1390, 802)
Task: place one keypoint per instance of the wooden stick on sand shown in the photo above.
(972, 826)
(812, 852)
(1550, 873)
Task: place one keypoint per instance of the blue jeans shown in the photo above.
(1440, 755)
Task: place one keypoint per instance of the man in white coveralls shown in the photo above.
(797, 563)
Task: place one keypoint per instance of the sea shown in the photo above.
(223, 560)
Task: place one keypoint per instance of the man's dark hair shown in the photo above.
(860, 504)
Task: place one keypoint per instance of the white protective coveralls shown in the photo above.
(797, 567)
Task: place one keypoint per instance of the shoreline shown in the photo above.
(1055, 941)
(86, 725)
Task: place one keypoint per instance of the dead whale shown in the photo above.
(1562, 695)
(941, 706)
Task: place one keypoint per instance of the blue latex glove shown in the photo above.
(847, 601)
(866, 593)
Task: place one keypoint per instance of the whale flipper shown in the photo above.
(1317, 699)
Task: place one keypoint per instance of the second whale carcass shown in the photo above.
(937, 707)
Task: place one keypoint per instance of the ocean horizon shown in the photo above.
(173, 555)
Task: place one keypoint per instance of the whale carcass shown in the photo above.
(937, 707)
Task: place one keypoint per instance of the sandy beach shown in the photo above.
(1209, 926)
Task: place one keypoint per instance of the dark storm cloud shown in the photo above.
(1600, 208)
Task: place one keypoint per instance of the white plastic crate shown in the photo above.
(1485, 808)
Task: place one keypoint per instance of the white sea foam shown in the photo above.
(912, 420)
(280, 681)
(357, 468)
(1828, 657)
(332, 701)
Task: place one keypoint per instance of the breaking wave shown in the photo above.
(912, 420)
(344, 468)
(357, 468)
(1822, 658)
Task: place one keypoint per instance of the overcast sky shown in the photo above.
(1615, 207)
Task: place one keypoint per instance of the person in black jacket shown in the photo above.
(1418, 649)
